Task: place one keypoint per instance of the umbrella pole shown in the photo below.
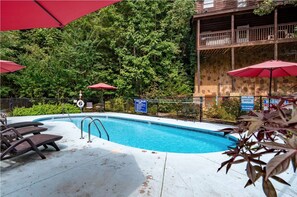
(270, 84)
(102, 100)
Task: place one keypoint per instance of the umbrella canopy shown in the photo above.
(269, 69)
(102, 86)
(28, 14)
(8, 66)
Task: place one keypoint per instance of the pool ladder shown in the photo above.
(89, 128)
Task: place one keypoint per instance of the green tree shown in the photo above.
(142, 47)
(267, 6)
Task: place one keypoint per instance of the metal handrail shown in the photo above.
(81, 127)
(89, 129)
(65, 110)
(69, 117)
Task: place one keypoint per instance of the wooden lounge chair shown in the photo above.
(22, 124)
(30, 130)
(14, 144)
(3, 120)
(26, 127)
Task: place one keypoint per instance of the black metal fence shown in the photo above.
(8, 104)
(216, 108)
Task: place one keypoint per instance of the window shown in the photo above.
(208, 3)
(241, 3)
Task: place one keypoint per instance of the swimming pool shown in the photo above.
(155, 137)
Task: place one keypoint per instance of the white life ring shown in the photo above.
(80, 103)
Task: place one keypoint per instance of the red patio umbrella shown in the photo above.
(269, 69)
(8, 66)
(28, 14)
(102, 86)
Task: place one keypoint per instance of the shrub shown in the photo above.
(265, 133)
(129, 105)
(117, 104)
(167, 107)
(219, 112)
(152, 109)
(228, 109)
(43, 109)
(108, 106)
(232, 106)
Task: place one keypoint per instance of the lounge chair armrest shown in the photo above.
(17, 143)
(11, 129)
(3, 122)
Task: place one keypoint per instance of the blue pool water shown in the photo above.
(156, 137)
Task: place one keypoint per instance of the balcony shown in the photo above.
(246, 36)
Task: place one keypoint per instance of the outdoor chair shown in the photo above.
(14, 144)
(21, 124)
(25, 128)
(89, 105)
(29, 130)
(3, 120)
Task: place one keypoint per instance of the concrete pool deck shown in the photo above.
(103, 168)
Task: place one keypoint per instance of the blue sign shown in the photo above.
(272, 102)
(140, 105)
(247, 103)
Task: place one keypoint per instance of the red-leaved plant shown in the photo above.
(262, 133)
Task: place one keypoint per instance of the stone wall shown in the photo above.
(214, 68)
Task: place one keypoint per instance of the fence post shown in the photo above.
(239, 111)
(11, 104)
(157, 107)
(201, 109)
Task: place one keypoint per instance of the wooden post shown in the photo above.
(198, 56)
(275, 45)
(232, 50)
(233, 67)
(275, 35)
(232, 29)
(198, 70)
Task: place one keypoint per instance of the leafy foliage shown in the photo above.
(43, 109)
(142, 47)
(219, 112)
(227, 109)
(262, 133)
(232, 106)
(267, 6)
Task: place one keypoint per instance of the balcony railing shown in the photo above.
(246, 35)
(215, 38)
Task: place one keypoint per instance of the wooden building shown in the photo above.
(230, 36)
